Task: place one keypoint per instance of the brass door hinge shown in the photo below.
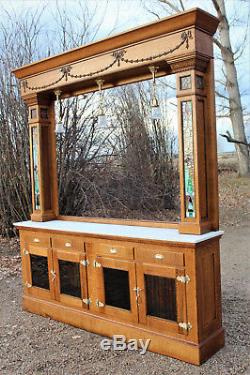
(87, 301)
(25, 252)
(84, 262)
(27, 285)
(96, 264)
(183, 279)
(99, 303)
(137, 291)
(186, 326)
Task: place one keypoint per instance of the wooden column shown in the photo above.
(197, 150)
(42, 158)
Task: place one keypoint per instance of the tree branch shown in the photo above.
(230, 139)
(171, 5)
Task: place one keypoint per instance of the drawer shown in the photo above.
(159, 255)
(36, 238)
(67, 243)
(113, 249)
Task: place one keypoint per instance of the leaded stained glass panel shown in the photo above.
(199, 82)
(185, 82)
(188, 150)
(34, 135)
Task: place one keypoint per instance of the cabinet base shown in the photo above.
(160, 343)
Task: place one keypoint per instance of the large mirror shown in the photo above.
(126, 165)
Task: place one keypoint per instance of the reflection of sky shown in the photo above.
(121, 15)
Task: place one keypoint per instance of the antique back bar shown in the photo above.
(141, 279)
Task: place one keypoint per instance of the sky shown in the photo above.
(121, 15)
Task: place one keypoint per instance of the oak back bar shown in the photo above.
(157, 283)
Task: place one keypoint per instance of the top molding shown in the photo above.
(195, 17)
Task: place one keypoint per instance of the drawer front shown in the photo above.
(113, 249)
(67, 243)
(159, 255)
(37, 239)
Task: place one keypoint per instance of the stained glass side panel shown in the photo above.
(34, 135)
(188, 151)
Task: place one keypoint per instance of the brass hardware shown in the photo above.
(100, 83)
(53, 275)
(183, 279)
(27, 285)
(96, 264)
(113, 251)
(186, 326)
(159, 256)
(87, 301)
(25, 252)
(137, 293)
(36, 240)
(67, 244)
(99, 303)
(84, 262)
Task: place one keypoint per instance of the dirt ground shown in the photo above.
(32, 345)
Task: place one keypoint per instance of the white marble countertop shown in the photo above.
(126, 231)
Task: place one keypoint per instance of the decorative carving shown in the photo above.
(188, 64)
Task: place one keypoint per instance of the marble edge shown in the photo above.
(182, 237)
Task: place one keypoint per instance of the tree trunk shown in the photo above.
(236, 112)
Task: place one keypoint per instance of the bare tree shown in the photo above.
(232, 86)
(233, 99)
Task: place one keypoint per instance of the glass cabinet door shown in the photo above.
(115, 288)
(38, 279)
(70, 276)
(161, 298)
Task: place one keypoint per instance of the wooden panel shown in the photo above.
(67, 243)
(208, 288)
(73, 257)
(113, 249)
(99, 280)
(30, 289)
(159, 324)
(36, 238)
(159, 255)
(160, 343)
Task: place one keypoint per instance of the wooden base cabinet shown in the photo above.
(167, 292)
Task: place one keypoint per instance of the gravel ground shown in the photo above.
(30, 344)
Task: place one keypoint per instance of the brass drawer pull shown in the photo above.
(113, 251)
(36, 240)
(67, 244)
(159, 256)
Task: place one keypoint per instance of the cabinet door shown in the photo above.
(37, 265)
(161, 298)
(115, 288)
(70, 278)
